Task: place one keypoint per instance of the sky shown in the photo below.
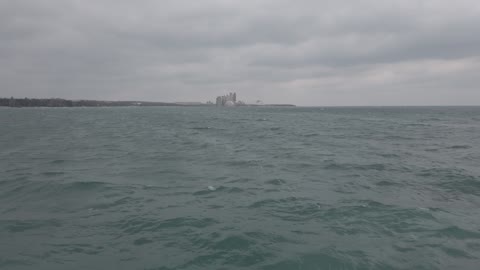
(304, 52)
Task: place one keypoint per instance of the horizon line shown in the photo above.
(265, 104)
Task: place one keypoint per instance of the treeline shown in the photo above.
(57, 102)
(27, 102)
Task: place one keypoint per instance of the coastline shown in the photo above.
(58, 102)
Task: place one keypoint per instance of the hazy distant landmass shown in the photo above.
(58, 102)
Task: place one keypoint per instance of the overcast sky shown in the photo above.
(306, 52)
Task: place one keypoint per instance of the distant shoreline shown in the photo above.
(58, 103)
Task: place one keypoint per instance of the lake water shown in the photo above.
(240, 188)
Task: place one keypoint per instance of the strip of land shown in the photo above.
(58, 102)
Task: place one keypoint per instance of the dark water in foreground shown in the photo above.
(240, 188)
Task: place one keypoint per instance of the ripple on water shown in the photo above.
(289, 209)
(459, 147)
(73, 248)
(20, 226)
(235, 249)
(276, 182)
(455, 232)
(137, 225)
(467, 185)
(329, 259)
(355, 167)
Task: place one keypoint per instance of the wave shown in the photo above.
(137, 224)
(460, 147)
(352, 166)
(329, 258)
(21, 226)
(465, 185)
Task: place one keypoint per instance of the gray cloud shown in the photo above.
(366, 52)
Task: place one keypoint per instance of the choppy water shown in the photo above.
(240, 188)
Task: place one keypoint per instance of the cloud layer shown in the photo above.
(307, 52)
